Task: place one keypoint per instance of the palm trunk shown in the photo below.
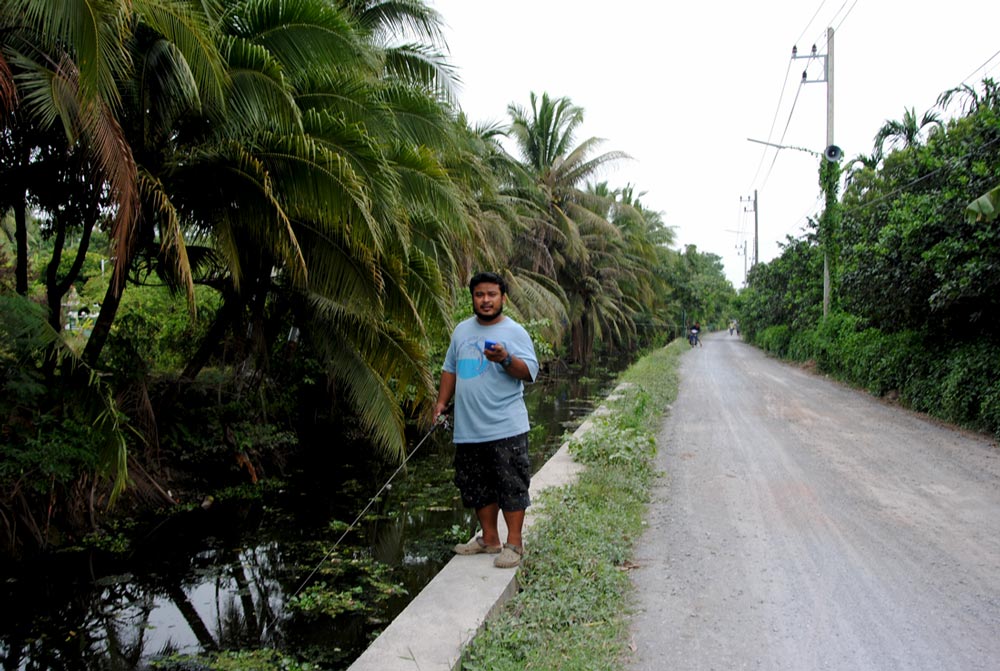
(582, 336)
(52, 294)
(102, 327)
(224, 319)
(227, 314)
(112, 300)
(19, 200)
(21, 242)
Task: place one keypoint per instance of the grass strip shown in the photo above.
(573, 608)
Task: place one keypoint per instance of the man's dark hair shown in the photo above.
(488, 278)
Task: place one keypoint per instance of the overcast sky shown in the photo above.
(681, 86)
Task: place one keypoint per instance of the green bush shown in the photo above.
(833, 334)
(882, 362)
(775, 339)
(971, 371)
(802, 345)
(990, 409)
(958, 384)
(154, 330)
(59, 449)
(922, 390)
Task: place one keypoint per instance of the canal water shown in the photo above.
(283, 571)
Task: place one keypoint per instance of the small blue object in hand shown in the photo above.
(490, 344)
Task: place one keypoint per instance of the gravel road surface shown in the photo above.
(803, 525)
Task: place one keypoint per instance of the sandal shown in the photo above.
(510, 557)
(476, 546)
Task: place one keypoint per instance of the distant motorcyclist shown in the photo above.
(693, 333)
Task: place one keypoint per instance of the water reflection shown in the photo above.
(223, 578)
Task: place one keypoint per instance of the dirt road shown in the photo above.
(803, 525)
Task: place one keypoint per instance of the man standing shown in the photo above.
(489, 359)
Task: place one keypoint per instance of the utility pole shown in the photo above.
(829, 143)
(756, 247)
(828, 80)
(744, 263)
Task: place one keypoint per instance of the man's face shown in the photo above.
(487, 301)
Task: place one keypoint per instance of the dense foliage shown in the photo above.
(229, 222)
(916, 272)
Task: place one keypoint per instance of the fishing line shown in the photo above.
(442, 420)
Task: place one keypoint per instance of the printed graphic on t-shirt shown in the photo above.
(471, 360)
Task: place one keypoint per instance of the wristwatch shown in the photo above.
(505, 364)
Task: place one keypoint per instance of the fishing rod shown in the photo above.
(442, 421)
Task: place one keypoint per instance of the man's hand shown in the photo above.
(497, 353)
(445, 393)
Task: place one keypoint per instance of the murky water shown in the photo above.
(270, 572)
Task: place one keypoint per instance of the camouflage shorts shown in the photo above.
(498, 471)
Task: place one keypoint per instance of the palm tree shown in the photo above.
(359, 194)
(571, 238)
(969, 98)
(57, 71)
(61, 64)
(386, 22)
(264, 138)
(906, 133)
(498, 197)
(176, 75)
(972, 100)
(646, 239)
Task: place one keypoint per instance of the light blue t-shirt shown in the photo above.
(489, 403)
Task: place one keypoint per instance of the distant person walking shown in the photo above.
(489, 359)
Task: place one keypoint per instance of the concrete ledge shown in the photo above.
(432, 631)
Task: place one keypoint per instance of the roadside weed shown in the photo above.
(572, 610)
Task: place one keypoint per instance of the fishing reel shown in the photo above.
(444, 420)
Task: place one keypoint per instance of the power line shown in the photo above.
(950, 165)
(741, 218)
(797, 93)
(837, 27)
(989, 66)
(973, 73)
(781, 97)
(770, 133)
(818, 9)
(821, 39)
(785, 132)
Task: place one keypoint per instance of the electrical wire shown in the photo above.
(837, 27)
(804, 30)
(985, 67)
(948, 166)
(781, 97)
(785, 132)
(973, 73)
(770, 133)
(821, 41)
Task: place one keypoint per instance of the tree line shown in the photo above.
(226, 220)
(914, 250)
